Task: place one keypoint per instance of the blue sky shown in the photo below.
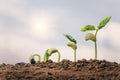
(33, 26)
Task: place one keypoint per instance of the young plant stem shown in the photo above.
(46, 56)
(75, 55)
(58, 57)
(95, 44)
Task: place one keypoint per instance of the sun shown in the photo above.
(40, 26)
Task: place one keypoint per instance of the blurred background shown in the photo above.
(33, 26)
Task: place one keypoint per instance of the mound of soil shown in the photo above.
(65, 70)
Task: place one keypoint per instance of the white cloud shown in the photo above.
(111, 32)
(14, 8)
(18, 10)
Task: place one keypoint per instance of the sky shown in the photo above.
(32, 26)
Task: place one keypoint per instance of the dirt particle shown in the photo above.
(49, 73)
(92, 78)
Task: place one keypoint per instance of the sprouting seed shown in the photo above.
(49, 52)
(32, 60)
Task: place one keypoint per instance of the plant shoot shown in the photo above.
(93, 37)
(72, 44)
(32, 60)
(49, 52)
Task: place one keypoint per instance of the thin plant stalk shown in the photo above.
(58, 57)
(95, 45)
(75, 55)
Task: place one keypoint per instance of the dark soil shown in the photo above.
(65, 70)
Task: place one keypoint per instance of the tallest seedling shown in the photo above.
(91, 36)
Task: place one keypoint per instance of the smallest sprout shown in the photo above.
(32, 60)
(49, 52)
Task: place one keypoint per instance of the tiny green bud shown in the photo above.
(72, 45)
(90, 36)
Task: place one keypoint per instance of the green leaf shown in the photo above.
(104, 22)
(87, 28)
(90, 36)
(70, 38)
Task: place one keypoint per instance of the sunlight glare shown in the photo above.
(42, 26)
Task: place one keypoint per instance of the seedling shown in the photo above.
(32, 60)
(72, 44)
(49, 52)
(91, 36)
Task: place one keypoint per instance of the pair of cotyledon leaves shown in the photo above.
(91, 36)
(72, 42)
(92, 27)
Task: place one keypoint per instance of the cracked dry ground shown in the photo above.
(65, 70)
